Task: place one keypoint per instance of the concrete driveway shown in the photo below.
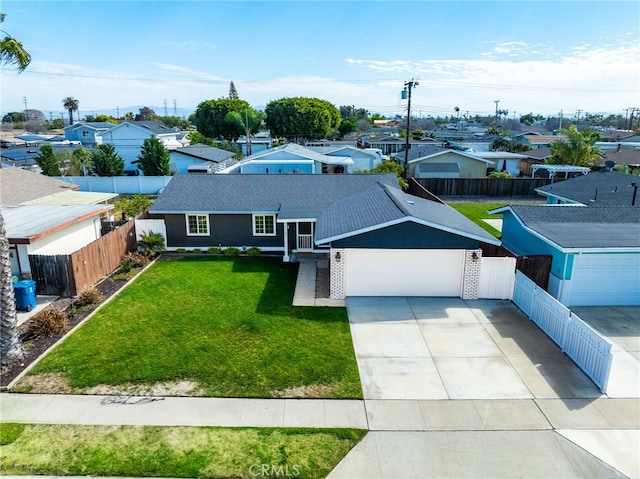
(448, 348)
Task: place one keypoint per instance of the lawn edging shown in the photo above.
(33, 363)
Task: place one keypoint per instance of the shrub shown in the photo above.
(232, 251)
(133, 260)
(253, 251)
(150, 244)
(48, 322)
(196, 250)
(181, 250)
(499, 174)
(215, 250)
(89, 295)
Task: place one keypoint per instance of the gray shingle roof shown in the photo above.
(258, 193)
(380, 204)
(584, 227)
(18, 185)
(596, 189)
(204, 152)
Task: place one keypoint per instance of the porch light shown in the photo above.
(474, 256)
(338, 257)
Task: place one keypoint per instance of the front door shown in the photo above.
(305, 236)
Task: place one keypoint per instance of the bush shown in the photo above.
(253, 251)
(133, 260)
(48, 322)
(232, 251)
(150, 244)
(215, 250)
(89, 295)
(196, 250)
(499, 174)
(181, 250)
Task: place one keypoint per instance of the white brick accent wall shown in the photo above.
(471, 280)
(337, 273)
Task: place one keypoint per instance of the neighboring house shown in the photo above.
(389, 144)
(129, 136)
(18, 186)
(620, 156)
(541, 141)
(386, 123)
(259, 142)
(87, 133)
(595, 250)
(437, 162)
(591, 228)
(21, 157)
(49, 230)
(362, 159)
(380, 240)
(539, 156)
(291, 159)
(605, 188)
(503, 160)
(207, 157)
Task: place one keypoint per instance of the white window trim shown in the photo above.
(186, 220)
(253, 217)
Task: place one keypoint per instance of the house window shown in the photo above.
(264, 225)
(85, 133)
(197, 225)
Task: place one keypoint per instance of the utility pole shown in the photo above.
(406, 93)
(165, 108)
(496, 102)
(26, 110)
(578, 120)
(632, 109)
(175, 108)
(118, 112)
(560, 127)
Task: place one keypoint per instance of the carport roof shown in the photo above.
(382, 205)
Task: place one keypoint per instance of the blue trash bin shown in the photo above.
(25, 293)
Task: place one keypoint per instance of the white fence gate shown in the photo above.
(497, 277)
(585, 346)
(151, 226)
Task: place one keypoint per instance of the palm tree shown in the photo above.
(10, 348)
(248, 120)
(457, 110)
(579, 148)
(12, 51)
(70, 104)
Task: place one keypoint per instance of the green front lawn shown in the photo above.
(207, 326)
(477, 212)
(147, 451)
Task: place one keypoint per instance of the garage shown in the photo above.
(612, 279)
(406, 272)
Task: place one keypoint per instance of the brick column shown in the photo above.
(471, 280)
(338, 259)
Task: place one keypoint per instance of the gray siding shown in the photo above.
(224, 230)
(407, 235)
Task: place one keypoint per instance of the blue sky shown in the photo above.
(539, 57)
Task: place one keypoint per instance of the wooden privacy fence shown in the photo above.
(585, 346)
(490, 187)
(65, 275)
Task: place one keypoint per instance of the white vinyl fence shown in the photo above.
(585, 346)
(497, 277)
(151, 226)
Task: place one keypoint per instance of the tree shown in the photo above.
(146, 114)
(106, 162)
(233, 93)
(348, 125)
(56, 124)
(154, 158)
(10, 348)
(48, 161)
(390, 167)
(85, 158)
(11, 50)
(69, 164)
(14, 116)
(301, 117)
(132, 206)
(578, 149)
(210, 117)
(70, 104)
(248, 120)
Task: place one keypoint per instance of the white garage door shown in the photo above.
(605, 279)
(383, 272)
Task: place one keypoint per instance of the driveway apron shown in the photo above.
(449, 348)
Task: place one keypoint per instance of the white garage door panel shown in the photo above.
(605, 279)
(377, 272)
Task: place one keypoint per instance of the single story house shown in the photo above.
(363, 159)
(603, 188)
(595, 250)
(380, 240)
(291, 159)
(503, 160)
(49, 230)
(437, 162)
(181, 159)
(259, 142)
(541, 141)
